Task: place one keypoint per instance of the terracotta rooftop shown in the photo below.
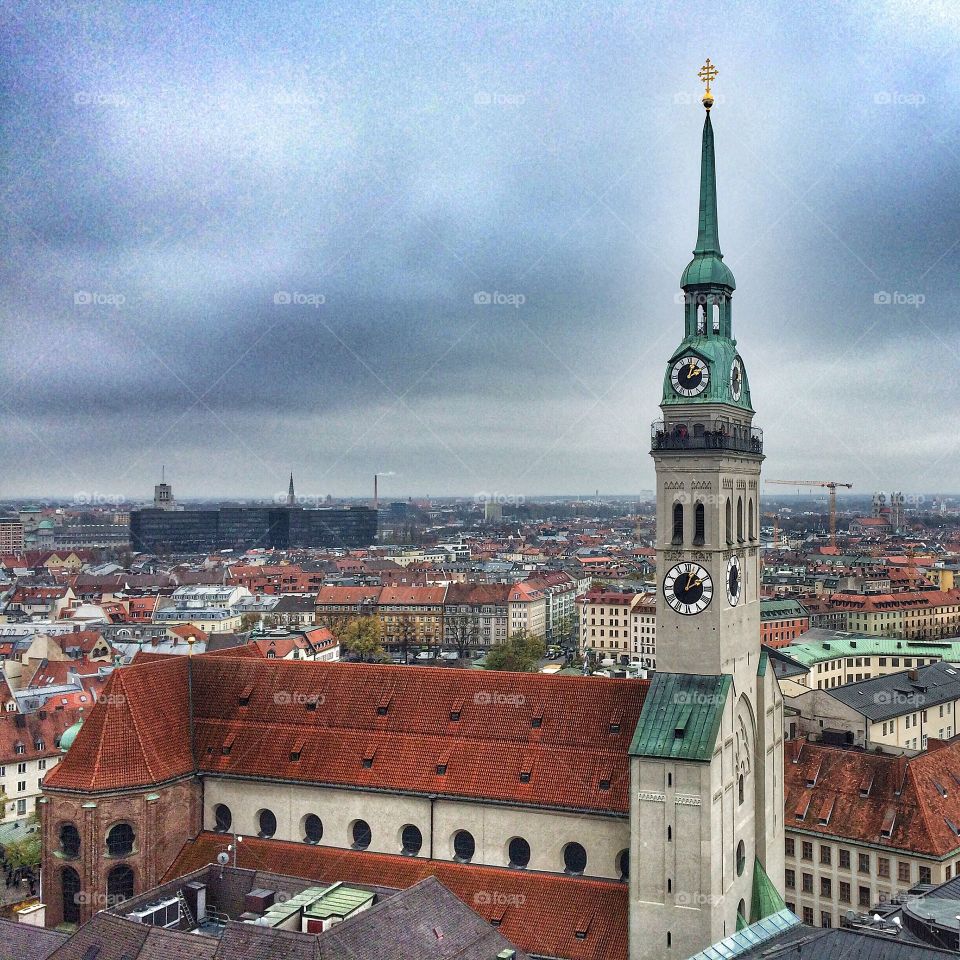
(363, 725)
(539, 912)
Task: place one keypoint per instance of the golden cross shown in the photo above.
(707, 73)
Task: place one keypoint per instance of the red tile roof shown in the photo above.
(919, 797)
(539, 912)
(138, 732)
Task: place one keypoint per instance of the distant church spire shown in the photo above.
(291, 497)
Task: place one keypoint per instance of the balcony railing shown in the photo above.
(717, 437)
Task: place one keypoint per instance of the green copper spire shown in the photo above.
(707, 266)
(708, 238)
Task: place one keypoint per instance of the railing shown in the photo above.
(719, 437)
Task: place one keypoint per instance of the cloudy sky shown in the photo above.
(245, 238)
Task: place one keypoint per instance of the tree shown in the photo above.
(22, 856)
(520, 652)
(565, 630)
(465, 634)
(362, 637)
(406, 634)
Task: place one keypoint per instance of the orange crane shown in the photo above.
(831, 486)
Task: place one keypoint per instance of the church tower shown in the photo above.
(707, 767)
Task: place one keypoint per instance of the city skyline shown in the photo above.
(239, 246)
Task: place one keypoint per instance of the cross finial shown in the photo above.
(707, 74)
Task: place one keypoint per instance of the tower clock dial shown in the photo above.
(734, 581)
(687, 587)
(690, 376)
(736, 379)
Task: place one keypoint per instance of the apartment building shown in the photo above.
(782, 621)
(896, 712)
(831, 658)
(863, 828)
(917, 615)
(11, 535)
(527, 607)
(619, 626)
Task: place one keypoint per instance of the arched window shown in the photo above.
(751, 520)
(741, 858)
(623, 864)
(119, 884)
(411, 839)
(464, 846)
(312, 828)
(742, 909)
(70, 892)
(222, 818)
(740, 519)
(699, 524)
(669, 834)
(574, 858)
(69, 841)
(266, 824)
(740, 787)
(729, 524)
(701, 319)
(361, 834)
(678, 523)
(120, 840)
(519, 852)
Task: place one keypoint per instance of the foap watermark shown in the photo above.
(504, 499)
(697, 699)
(497, 898)
(898, 299)
(84, 498)
(895, 697)
(299, 299)
(487, 698)
(86, 98)
(98, 298)
(486, 98)
(286, 698)
(890, 98)
(694, 898)
(684, 97)
(485, 298)
(113, 700)
(100, 900)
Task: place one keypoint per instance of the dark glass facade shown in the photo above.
(246, 528)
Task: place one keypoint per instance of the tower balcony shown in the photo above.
(713, 436)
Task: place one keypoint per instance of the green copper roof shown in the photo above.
(69, 735)
(762, 665)
(707, 266)
(718, 353)
(862, 646)
(748, 940)
(681, 716)
(766, 899)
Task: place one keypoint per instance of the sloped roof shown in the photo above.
(539, 912)
(362, 725)
(681, 716)
(405, 927)
(137, 734)
(917, 800)
(402, 720)
(27, 942)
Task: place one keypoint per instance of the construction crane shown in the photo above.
(831, 486)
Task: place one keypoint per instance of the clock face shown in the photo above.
(736, 379)
(690, 376)
(734, 581)
(687, 587)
